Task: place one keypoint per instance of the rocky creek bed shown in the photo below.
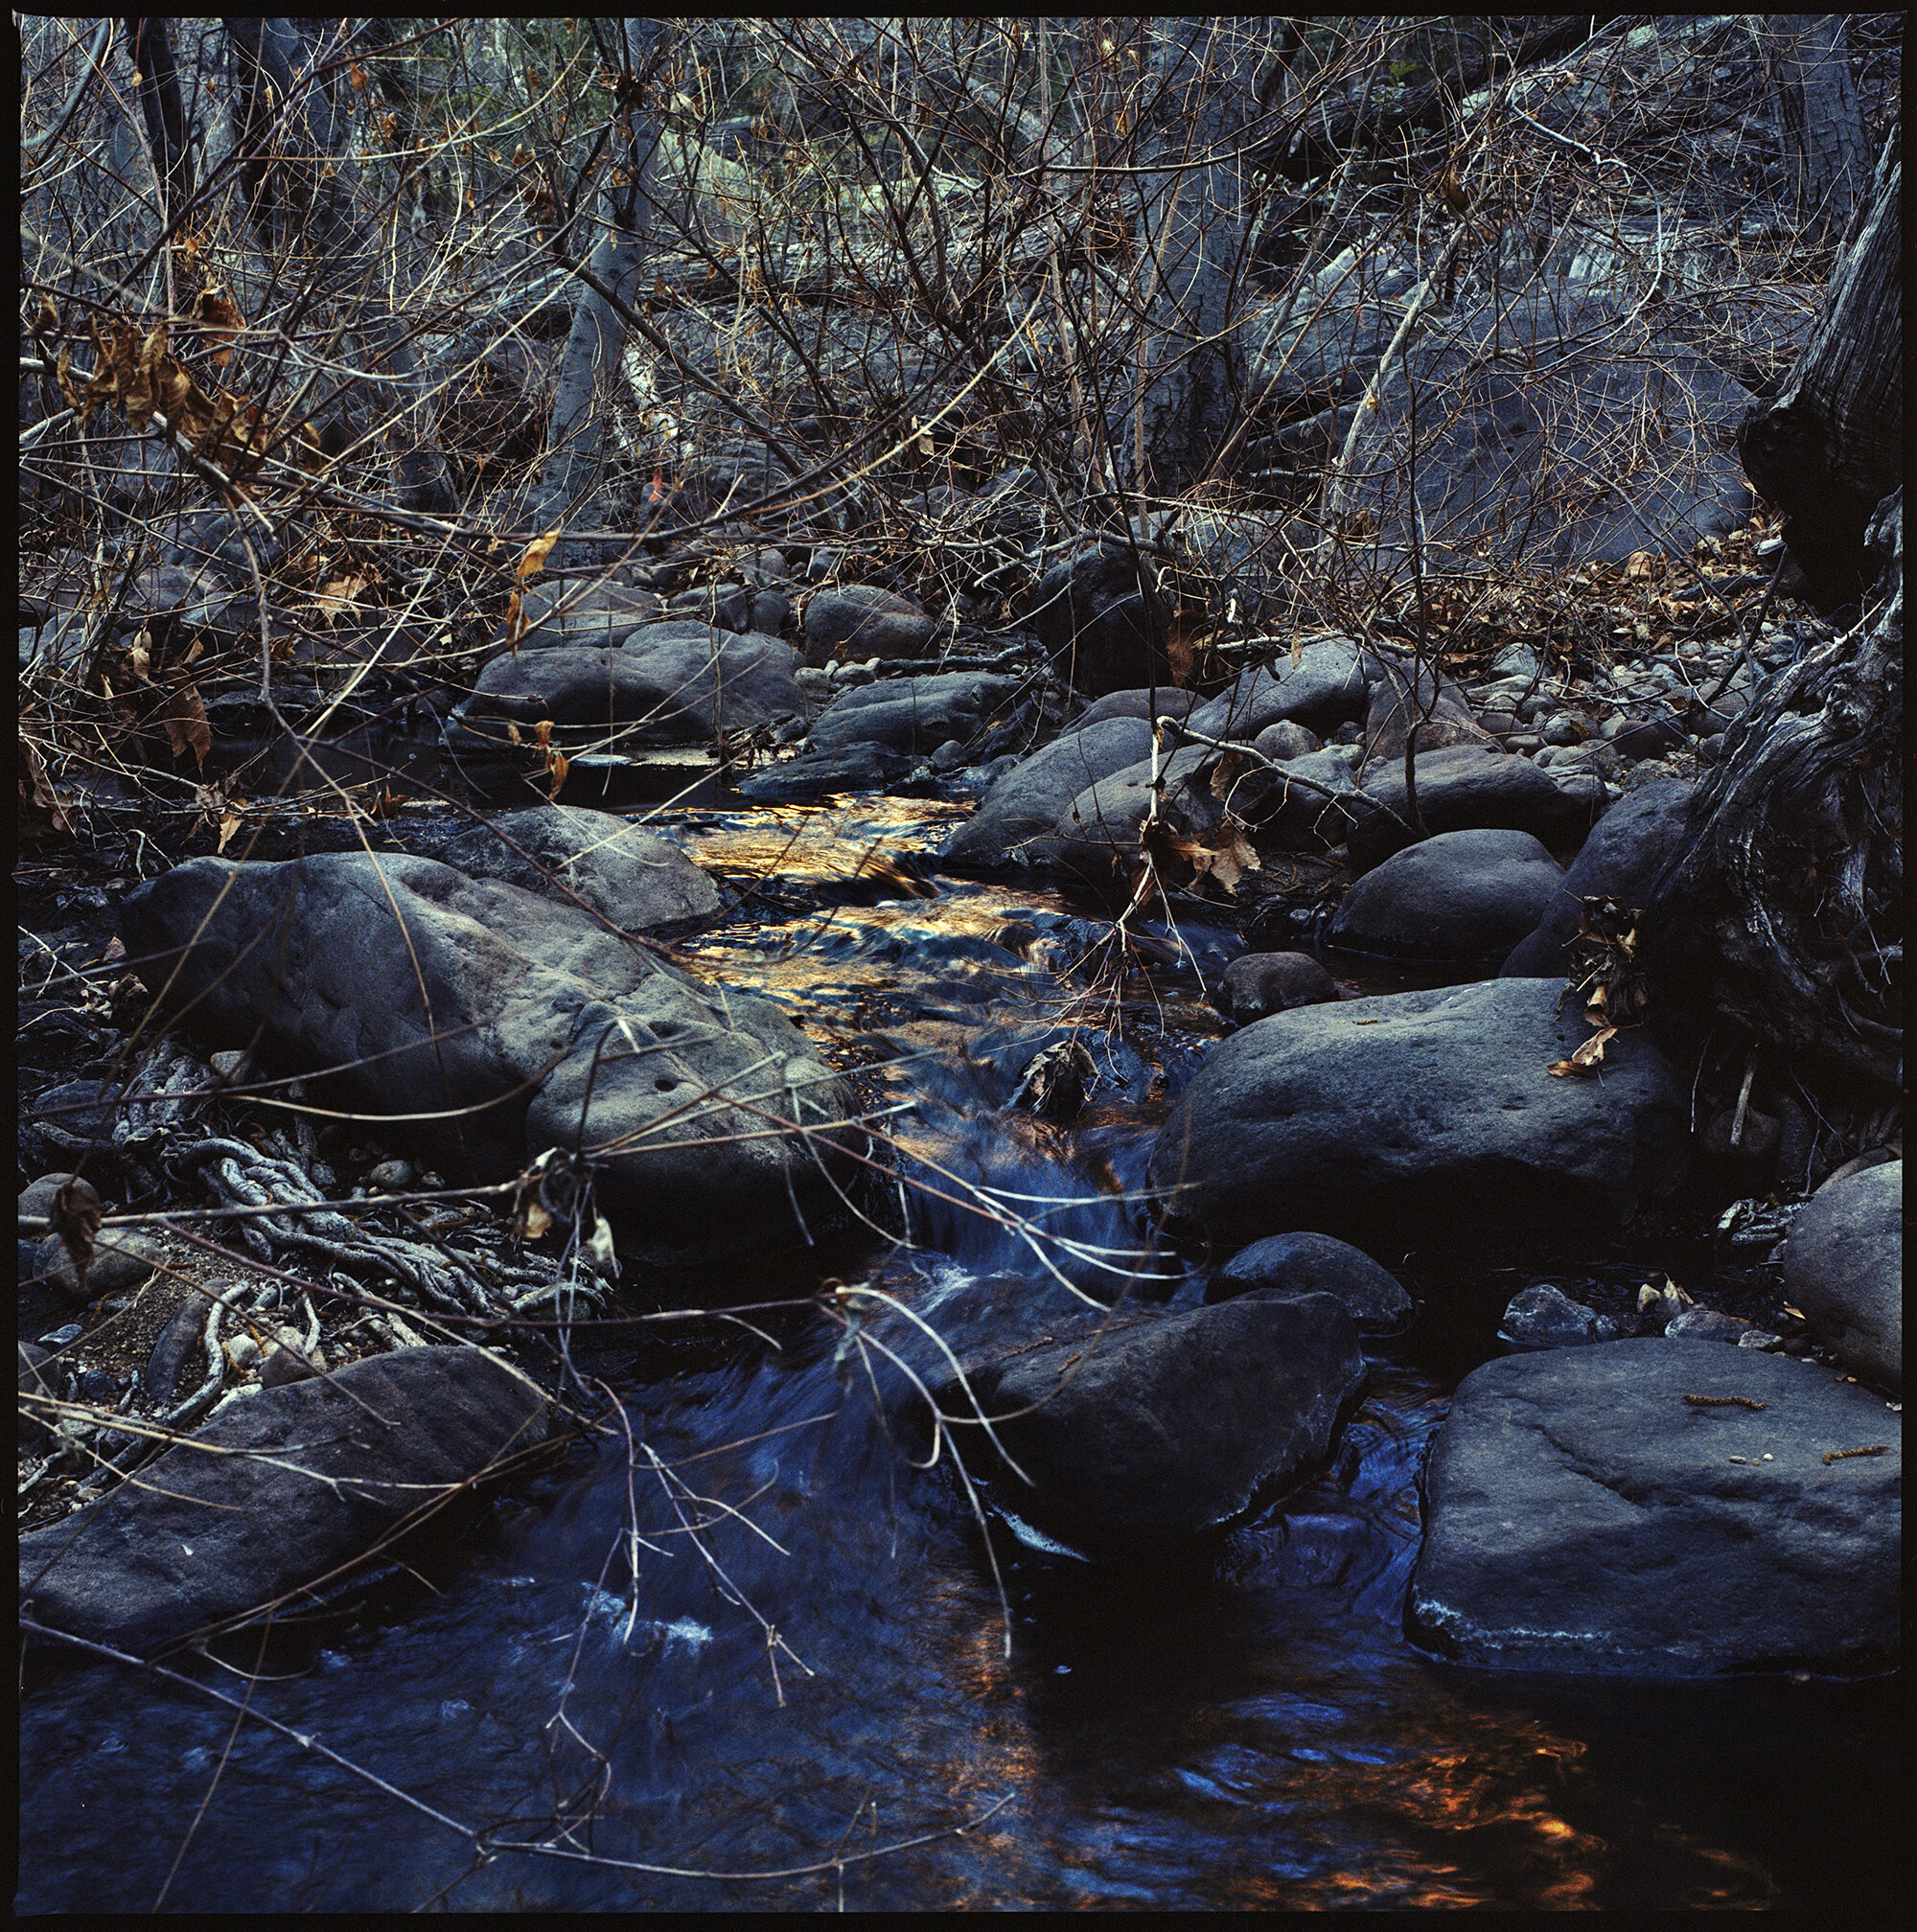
(1333, 1539)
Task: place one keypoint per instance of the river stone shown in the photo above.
(1096, 835)
(1463, 896)
(1462, 787)
(203, 1538)
(530, 1003)
(1258, 983)
(1299, 817)
(1545, 1317)
(1091, 617)
(874, 734)
(1621, 860)
(123, 1258)
(1170, 1425)
(1581, 1516)
(1433, 703)
(1843, 1266)
(598, 618)
(1419, 1111)
(674, 684)
(857, 621)
(1027, 802)
(1315, 1264)
(1326, 688)
(636, 878)
(1167, 702)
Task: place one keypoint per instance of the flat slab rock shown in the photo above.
(200, 1539)
(1582, 1515)
(1430, 1109)
(1168, 1426)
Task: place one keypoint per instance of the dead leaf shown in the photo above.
(75, 1217)
(537, 552)
(184, 718)
(36, 789)
(1585, 1059)
(229, 823)
(1641, 563)
(219, 320)
(557, 765)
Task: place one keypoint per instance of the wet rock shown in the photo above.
(1326, 688)
(1168, 1426)
(1545, 1317)
(639, 878)
(1431, 1109)
(1464, 787)
(1843, 1266)
(1258, 983)
(1621, 860)
(672, 684)
(205, 1538)
(1027, 802)
(1315, 1264)
(861, 621)
(1582, 1515)
(1461, 896)
(1097, 835)
(876, 734)
(531, 1006)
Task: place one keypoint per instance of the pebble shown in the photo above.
(394, 1175)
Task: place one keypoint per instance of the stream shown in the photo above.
(818, 1677)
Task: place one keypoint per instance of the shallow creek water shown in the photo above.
(1245, 1727)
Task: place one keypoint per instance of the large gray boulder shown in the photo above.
(1583, 1514)
(1621, 860)
(597, 618)
(1427, 1111)
(639, 878)
(1464, 787)
(673, 683)
(877, 733)
(488, 1015)
(1168, 1426)
(1326, 688)
(1843, 1267)
(861, 621)
(1466, 897)
(1097, 623)
(281, 1491)
(1027, 802)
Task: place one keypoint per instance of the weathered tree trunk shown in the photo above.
(1829, 446)
(1783, 916)
(1821, 119)
(1192, 244)
(575, 466)
(301, 182)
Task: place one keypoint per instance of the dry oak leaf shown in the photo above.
(184, 717)
(1585, 1059)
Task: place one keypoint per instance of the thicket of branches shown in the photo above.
(330, 327)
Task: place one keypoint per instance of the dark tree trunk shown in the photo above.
(1829, 446)
(1781, 922)
(151, 48)
(1821, 122)
(302, 186)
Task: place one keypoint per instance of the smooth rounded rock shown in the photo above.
(861, 621)
(1419, 1113)
(1027, 802)
(1583, 1514)
(1466, 897)
(1258, 983)
(1843, 1266)
(1545, 1317)
(1315, 1264)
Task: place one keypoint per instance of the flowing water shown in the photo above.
(742, 1632)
